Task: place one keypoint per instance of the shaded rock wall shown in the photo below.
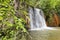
(55, 22)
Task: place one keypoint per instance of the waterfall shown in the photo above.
(37, 20)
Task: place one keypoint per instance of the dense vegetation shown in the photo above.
(10, 24)
(14, 16)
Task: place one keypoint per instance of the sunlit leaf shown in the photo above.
(1, 18)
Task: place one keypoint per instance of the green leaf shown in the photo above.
(1, 18)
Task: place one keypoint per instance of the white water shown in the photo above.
(37, 21)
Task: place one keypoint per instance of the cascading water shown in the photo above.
(39, 30)
(37, 21)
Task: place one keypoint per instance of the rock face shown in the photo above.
(45, 34)
(55, 22)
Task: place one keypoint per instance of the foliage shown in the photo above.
(46, 5)
(9, 23)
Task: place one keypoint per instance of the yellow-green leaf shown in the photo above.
(1, 18)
